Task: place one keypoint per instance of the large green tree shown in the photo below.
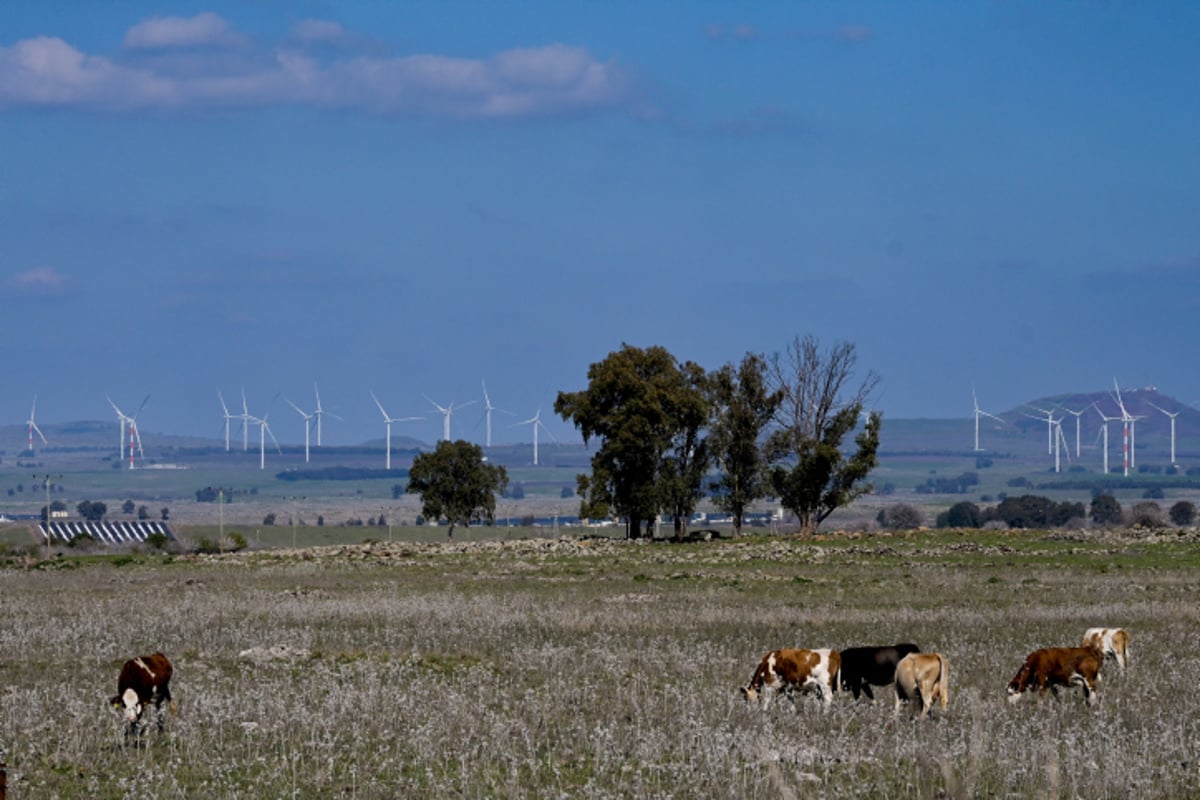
(648, 412)
(819, 408)
(743, 405)
(456, 483)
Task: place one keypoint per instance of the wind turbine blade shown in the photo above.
(143, 405)
(381, 411)
(293, 405)
(39, 432)
(224, 407)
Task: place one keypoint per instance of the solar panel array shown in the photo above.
(106, 532)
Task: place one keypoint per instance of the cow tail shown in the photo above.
(944, 680)
(173, 707)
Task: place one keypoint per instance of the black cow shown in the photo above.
(864, 667)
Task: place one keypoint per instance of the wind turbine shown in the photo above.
(1104, 432)
(1049, 426)
(264, 430)
(135, 437)
(320, 412)
(121, 419)
(488, 409)
(34, 427)
(1163, 410)
(388, 423)
(536, 422)
(979, 412)
(246, 420)
(446, 412)
(1077, 415)
(308, 418)
(1128, 420)
(1060, 438)
(228, 417)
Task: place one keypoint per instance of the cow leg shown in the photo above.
(866, 687)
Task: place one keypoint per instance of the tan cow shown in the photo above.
(1052, 667)
(924, 677)
(1112, 642)
(802, 670)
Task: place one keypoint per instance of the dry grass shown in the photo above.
(549, 669)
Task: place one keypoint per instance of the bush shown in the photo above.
(1154, 493)
(960, 515)
(269, 519)
(157, 540)
(1183, 513)
(1147, 515)
(1105, 510)
(206, 545)
(236, 542)
(900, 517)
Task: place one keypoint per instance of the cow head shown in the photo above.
(750, 693)
(129, 704)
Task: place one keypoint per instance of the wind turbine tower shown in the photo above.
(388, 425)
(1127, 420)
(308, 418)
(1104, 433)
(536, 422)
(264, 430)
(228, 417)
(1163, 410)
(33, 426)
(1077, 414)
(446, 412)
(121, 419)
(1049, 426)
(979, 412)
(320, 412)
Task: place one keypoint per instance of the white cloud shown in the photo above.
(202, 30)
(554, 79)
(318, 31)
(38, 279)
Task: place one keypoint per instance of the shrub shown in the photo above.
(1183, 513)
(269, 519)
(1154, 493)
(236, 542)
(157, 540)
(1147, 515)
(1105, 510)
(900, 517)
(960, 515)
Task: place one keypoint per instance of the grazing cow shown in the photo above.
(143, 680)
(924, 677)
(803, 670)
(864, 667)
(1112, 642)
(1052, 667)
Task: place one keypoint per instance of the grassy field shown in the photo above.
(589, 668)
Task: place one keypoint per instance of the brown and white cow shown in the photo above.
(796, 670)
(143, 680)
(1052, 667)
(1112, 642)
(924, 677)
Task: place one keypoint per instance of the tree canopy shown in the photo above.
(456, 483)
(817, 411)
(743, 405)
(649, 413)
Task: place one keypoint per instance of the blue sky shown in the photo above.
(411, 198)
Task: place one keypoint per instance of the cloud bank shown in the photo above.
(48, 72)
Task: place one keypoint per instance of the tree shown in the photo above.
(165, 513)
(743, 406)
(1183, 513)
(143, 512)
(269, 519)
(127, 507)
(648, 412)
(683, 467)
(1147, 515)
(92, 511)
(814, 416)
(960, 515)
(455, 482)
(1105, 510)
